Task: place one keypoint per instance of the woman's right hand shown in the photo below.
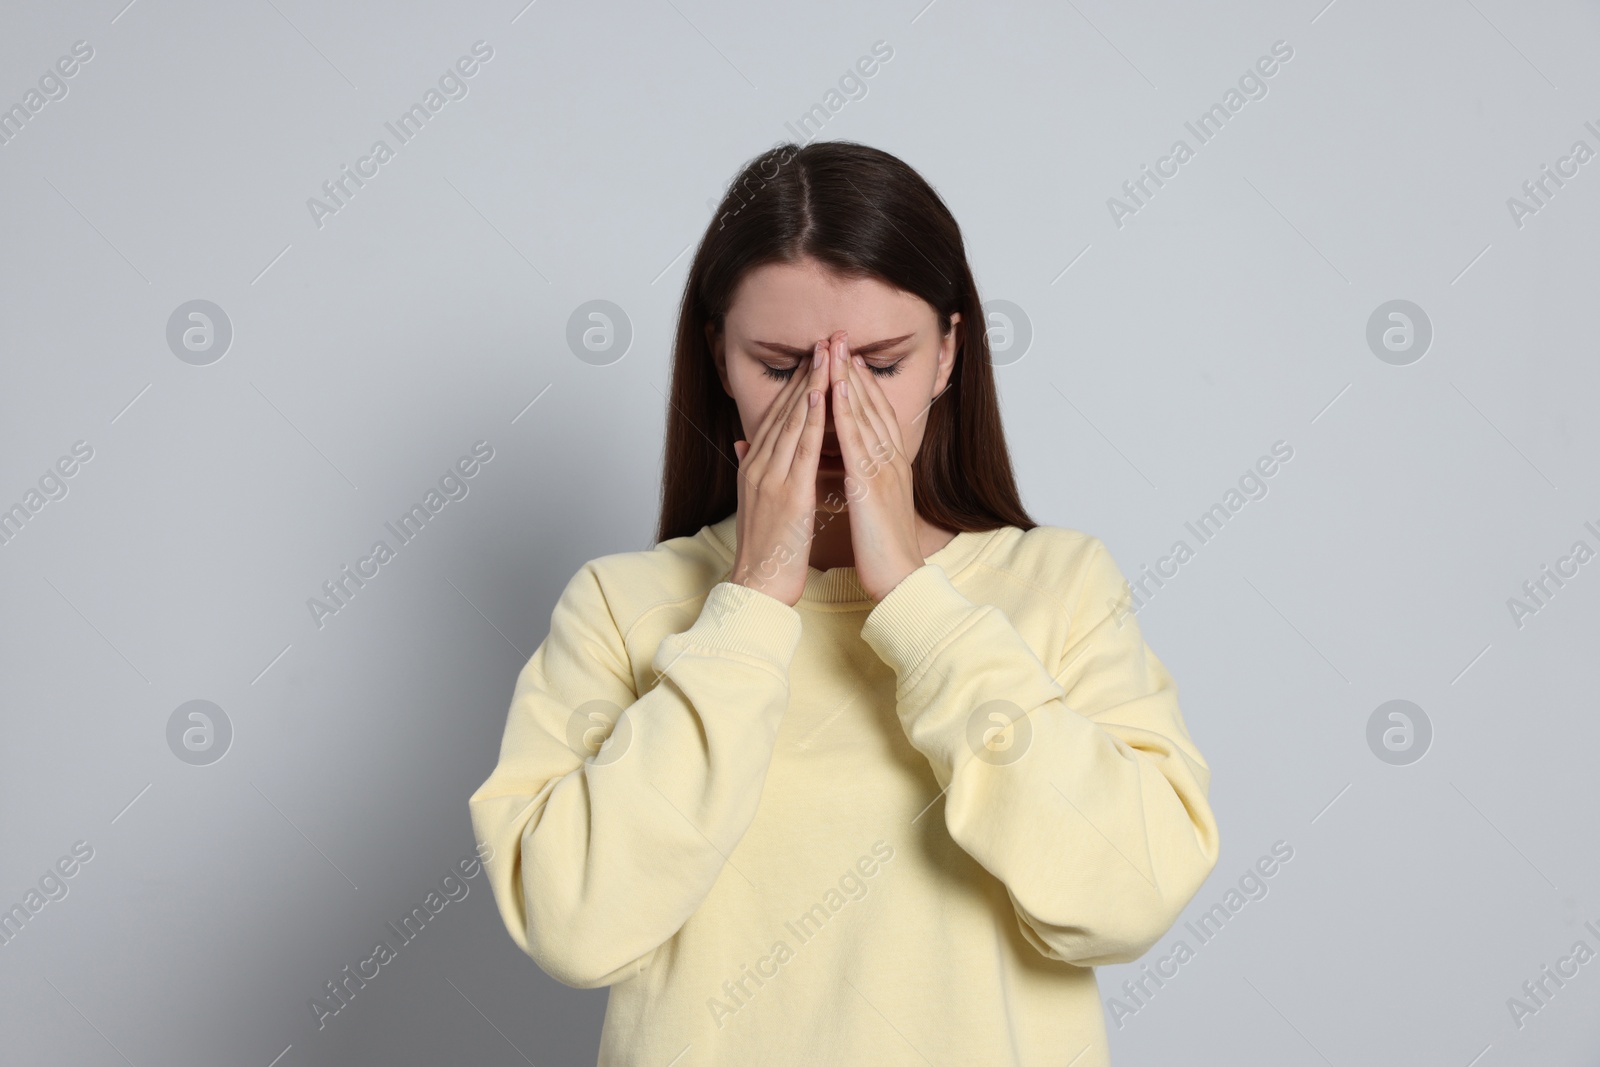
(778, 485)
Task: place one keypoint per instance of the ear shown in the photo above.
(718, 357)
(948, 346)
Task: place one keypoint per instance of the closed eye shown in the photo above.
(783, 374)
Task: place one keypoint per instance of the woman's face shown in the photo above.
(781, 310)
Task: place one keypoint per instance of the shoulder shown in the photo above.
(633, 584)
(1068, 564)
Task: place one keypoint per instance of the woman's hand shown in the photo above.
(883, 515)
(778, 486)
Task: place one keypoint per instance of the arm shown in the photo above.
(1089, 800)
(599, 860)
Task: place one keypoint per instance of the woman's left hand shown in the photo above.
(878, 481)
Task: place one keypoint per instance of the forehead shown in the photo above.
(803, 303)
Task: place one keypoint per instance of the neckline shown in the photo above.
(841, 585)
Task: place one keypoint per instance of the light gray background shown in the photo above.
(431, 312)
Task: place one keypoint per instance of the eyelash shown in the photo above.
(785, 373)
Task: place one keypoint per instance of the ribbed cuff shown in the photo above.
(737, 618)
(907, 625)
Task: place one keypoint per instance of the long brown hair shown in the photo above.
(863, 213)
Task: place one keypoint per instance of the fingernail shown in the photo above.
(860, 362)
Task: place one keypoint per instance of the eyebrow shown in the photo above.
(861, 350)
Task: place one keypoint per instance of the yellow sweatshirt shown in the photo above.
(845, 832)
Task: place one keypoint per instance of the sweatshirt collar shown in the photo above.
(840, 585)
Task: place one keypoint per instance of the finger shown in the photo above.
(879, 412)
(868, 426)
(808, 446)
(846, 421)
(773, 416)
(799, 415)
(777, 411)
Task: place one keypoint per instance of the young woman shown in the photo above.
(887, 767)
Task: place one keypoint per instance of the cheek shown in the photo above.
(754, 395)
(907, 400)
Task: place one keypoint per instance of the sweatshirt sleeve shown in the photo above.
(598, 859)
(1077, 785)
